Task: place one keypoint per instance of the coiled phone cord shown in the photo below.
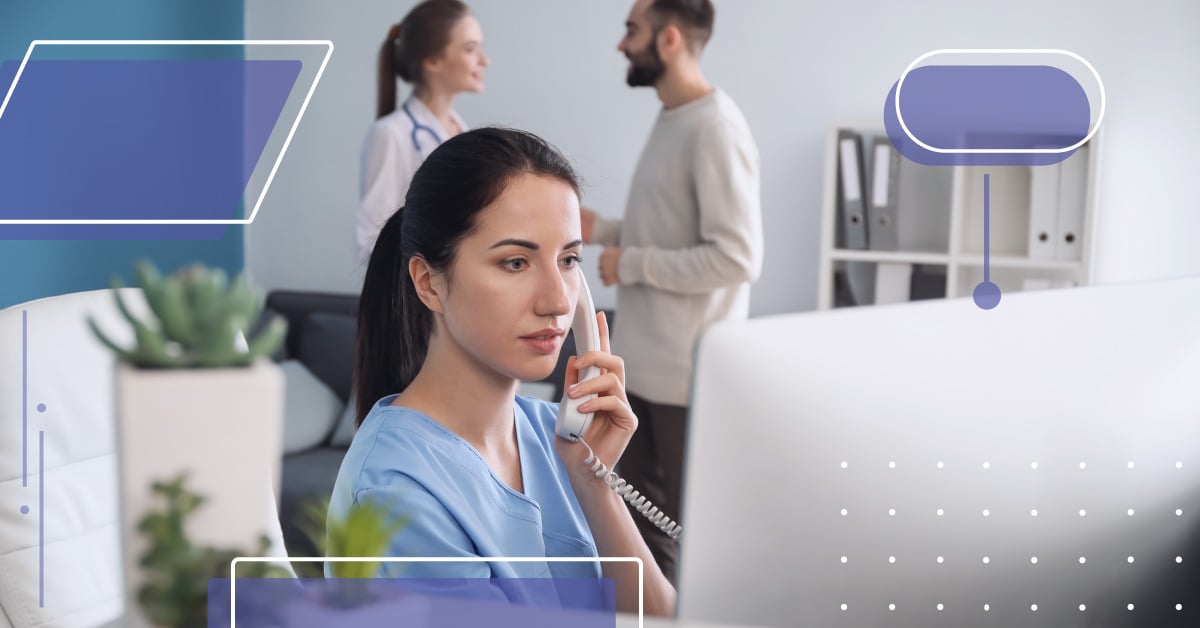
(631, 496)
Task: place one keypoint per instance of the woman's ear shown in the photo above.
(432, 65)
(430, 286)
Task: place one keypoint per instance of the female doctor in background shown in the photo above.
(438, 48)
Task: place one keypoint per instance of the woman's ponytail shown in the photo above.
(393, 324)
(389, 52)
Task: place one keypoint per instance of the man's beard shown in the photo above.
(645, 67)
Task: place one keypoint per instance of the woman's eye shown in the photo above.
(514, 264)
(572, 260)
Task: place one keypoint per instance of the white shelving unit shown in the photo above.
(939, 223)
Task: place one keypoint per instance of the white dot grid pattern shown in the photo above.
(1033, 512)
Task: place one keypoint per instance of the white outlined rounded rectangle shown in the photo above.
(999, 151)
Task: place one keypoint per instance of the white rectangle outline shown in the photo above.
(164, 42)
(432, 559)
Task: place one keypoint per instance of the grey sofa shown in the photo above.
(321, 328)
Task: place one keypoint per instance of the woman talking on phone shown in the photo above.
(471, 289)
(438, 48)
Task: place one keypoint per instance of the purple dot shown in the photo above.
(24, 510)
(987, 295)
(41, 407)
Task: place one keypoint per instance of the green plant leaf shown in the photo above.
(269, 339)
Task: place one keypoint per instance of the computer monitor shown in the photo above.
(934, 464)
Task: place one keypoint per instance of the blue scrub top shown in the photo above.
(455, 506)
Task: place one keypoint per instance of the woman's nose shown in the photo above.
(555, 298)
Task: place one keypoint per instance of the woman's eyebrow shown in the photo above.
(515, 242)
(532, 245)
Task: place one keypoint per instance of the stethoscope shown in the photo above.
(417, 126)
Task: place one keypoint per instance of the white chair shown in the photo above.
(60, 561)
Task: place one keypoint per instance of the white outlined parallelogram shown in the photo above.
(175, 42)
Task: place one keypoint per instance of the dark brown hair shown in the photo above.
(693, 17)
(459, 178)
(423, 33)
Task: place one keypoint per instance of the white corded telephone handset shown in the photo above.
(572, 424)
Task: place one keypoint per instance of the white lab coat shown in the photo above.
(390, 157)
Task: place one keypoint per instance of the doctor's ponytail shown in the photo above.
(452, 186)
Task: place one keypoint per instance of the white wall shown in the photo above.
(793, 69)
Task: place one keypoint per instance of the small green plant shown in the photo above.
(175, 592)
(366, 530)
(200, 317)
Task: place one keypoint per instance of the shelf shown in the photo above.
(1006, 261)
(937, 214)
(897, 257)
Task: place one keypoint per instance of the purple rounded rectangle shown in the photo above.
(954, 112)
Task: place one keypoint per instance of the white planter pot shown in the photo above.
(223, 426)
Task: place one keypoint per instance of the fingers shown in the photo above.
(603, 359)
(617, 409)
(607, 384)
(602, 325)
(572, 375)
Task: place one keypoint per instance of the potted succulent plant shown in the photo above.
(176, 570)
(194, 395)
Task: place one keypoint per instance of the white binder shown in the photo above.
(892, 283)
(1043, 211)
(1072, 200)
